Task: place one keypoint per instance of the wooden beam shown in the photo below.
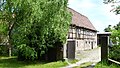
(114, 61)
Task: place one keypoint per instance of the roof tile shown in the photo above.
(81, 20)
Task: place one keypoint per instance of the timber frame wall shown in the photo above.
(81, 33)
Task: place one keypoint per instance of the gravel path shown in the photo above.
(93, 56)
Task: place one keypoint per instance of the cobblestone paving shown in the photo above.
(93, 56)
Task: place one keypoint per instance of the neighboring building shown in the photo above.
(82, 35)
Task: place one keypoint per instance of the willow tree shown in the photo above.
(36, 25)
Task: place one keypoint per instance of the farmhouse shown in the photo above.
(82, 35)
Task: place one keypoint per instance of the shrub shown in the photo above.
(14, 51)
(114, 52)
(26, 53)
(3, 50)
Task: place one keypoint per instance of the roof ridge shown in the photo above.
(77, 12)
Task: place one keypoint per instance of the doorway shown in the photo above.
(71, 49)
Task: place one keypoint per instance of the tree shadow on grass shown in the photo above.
(14, 63)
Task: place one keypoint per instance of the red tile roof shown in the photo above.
(81, 20)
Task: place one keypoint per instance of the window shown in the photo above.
(77, 43)
(70, 35)
(70, 30)
(73, 30)
(89, 42)
(79, 31)
(74, 35)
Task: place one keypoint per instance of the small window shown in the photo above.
(74, 30)
(77, 30)
(70, 30)
(77, 43)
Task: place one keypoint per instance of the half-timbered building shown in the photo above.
(82, 35)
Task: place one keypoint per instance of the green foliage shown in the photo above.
(27, 52)
(114, 52)
(11, 62)
(115, 37)
(3, 50)
(117, 27)
(104, 64)
(3, 29)
(36, 25)
(108, 29)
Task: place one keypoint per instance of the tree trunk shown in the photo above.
(10, 51)
(9, 38)
(9, 47)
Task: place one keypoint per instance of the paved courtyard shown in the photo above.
(93, 56)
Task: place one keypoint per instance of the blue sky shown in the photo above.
(97, 12)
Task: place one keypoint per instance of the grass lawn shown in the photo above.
(105, 65)
(6, 62)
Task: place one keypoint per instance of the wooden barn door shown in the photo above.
(71, 49)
